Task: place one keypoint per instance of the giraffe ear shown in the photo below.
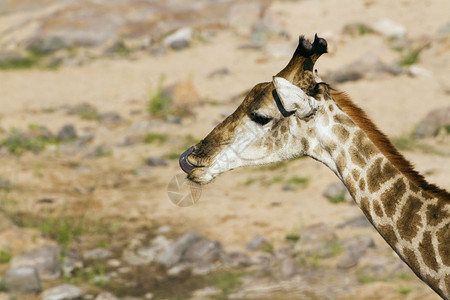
(294, 99)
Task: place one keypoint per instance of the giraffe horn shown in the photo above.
(300, 68)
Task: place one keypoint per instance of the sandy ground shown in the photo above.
(229, 209)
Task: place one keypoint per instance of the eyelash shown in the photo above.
(262, 120)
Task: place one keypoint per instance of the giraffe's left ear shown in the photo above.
(294, 99)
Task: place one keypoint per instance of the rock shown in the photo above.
(110, 119)
(99, 151)
(179, 270)
(318, 240)
(149, 253)
(418, 72)
(134, 259)
(156, 162)
(180, 39)
(219, 73)
(148, 296)
(203, 250)
(289, 267)
(182, 96)
(209, 291)
(22, 280)
(134, 139)
(258, 243)
(62, 292)
(72, 261)
(355, 249)
(433, 122)
(358, 221)
(174, 253)
(369, 66)
(66, 133)
(337, 192)
(115, 263)
(97, 254)
(388, 28)
(237, 259)
(84, 110)
(45, 260)
(106, 296)
(163, 229)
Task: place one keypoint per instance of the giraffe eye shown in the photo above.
(262, 120)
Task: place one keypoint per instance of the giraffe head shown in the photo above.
(276, 121)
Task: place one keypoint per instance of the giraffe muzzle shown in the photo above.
(185, 165)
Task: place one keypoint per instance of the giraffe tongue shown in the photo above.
(185, 165)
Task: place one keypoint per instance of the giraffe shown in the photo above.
(297, 114)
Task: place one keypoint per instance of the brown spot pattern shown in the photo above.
(365, 207)
(392, 196)
(432, 282)
(411, 259)
(356, 157)
(377, 174)
(436, 213)
(344, 120)
(351, 186)
(377, 208)
(341, 161)
(409, 222)
(330, 146)
(447, 283)
(355, 174)
(362, 184)
(330, 107)
(341, 133)
(388, 233)
(443, 237)
(305, 144)
(427, 251)
(365, 146)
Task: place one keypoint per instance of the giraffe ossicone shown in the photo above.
(296, 114)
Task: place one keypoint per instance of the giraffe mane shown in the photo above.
(383, 143)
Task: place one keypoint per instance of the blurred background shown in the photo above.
(99, 98)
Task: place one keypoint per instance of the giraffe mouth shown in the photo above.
(185, 165)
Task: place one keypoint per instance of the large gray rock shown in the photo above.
(337, 192)
(45, 260)
(179, 39)
(106, 296)
(97, 254)
(258, 243)
(67, 133)
(63, 292)
(368, 67)
(22, 280)
(317, 240)
(388, 28)
(203, 250)
(174, 253)
(356, 247)
(435, 121)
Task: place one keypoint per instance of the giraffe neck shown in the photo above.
(414, 222)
